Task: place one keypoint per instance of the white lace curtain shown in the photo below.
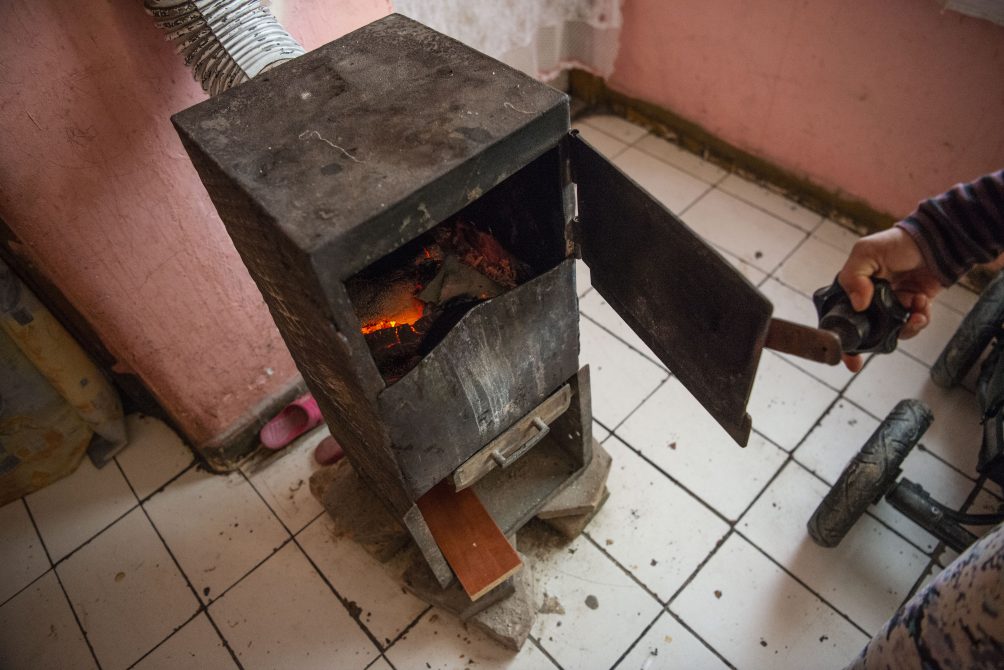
(539, 37)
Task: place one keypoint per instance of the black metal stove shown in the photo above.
(353, 178)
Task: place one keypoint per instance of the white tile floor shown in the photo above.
(698, 560)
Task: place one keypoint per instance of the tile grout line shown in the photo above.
(693, 632)
(648, 358)
(754, 205)
(663, 605)
(733, 525)
(634, 643)
(27, 586)
(99, 532)
(537, 642)
(789, 457)
(293, 538)
(638, 406)
(404, 631)
(62, 588)
(157, 646)
(202, 607)
(785, 570)
(679, 215)
(682, 486)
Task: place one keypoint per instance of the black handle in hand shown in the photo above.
(875, 329)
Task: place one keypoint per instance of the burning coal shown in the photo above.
(408, 301)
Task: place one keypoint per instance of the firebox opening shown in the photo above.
(410, 299)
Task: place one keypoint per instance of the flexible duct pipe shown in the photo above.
(225, 42)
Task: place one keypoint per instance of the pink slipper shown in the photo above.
(293, 421)
(328, 451)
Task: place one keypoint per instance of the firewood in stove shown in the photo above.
(455, 280)
(395, 349)
(480, 250)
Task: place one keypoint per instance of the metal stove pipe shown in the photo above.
(225, 42)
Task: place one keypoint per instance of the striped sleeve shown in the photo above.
(961, 227)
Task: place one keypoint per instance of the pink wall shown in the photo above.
(886, 101)
(95, 183)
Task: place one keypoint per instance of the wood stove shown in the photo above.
(411, 210)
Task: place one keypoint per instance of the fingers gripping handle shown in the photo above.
(876, 329)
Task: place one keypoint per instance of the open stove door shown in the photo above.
(700, 316)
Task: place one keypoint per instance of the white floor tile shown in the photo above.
(616, 127)
(674, 431)
(842, 433)
(812, 266)
(669, 645)
(671, 186)
(155, 454)
(681, 158)
(756, 616)
(583, 284)
(216, 526)
(599, 432)
(755, 275)
(772, 202)
(598, 309)
(786, 402)
(607, 145)
(743, 230)
(441, 642)
(927, 344)
(386, 609)
(127, 591)
(593, 611)
(955, 433)
(959, 298)
(195, 647)
(283, 615)
(72, 510)
(651, 526)
(620, 377)
(791, 305)
(38, 631)
(22, 558)
(380, 664)
(283, 480)
(836, 236)
(866, 576)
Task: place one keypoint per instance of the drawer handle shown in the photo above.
(504, 461)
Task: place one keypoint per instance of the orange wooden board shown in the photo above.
(469, 538)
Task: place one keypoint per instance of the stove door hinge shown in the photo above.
(570, 198)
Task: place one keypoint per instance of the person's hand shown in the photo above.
(893, 255)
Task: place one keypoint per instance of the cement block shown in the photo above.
(420, 582)
(584, 495)
(509, 621)
(572, 526)
(358, 513)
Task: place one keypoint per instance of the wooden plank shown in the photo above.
(469, 538)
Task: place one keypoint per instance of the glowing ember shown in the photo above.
(406, 317)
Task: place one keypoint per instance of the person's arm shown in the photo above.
(960, 228)
(929, 249)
